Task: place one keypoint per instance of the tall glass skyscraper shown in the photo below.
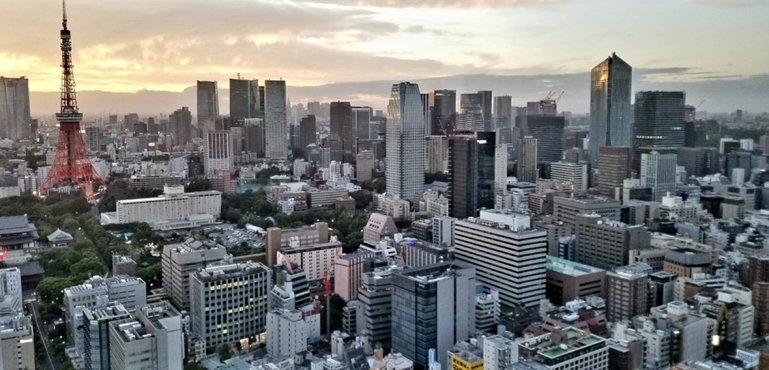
(610, 114)
(244, 99)
(659, 121)
(405, 142)
(275, 124)
(444, 115)
(208, 103)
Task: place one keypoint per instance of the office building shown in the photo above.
(286, 333)
(171, 210)
(405, 142)
(548, 130)
(348, 269)
(361, 124)
(565, 349)
(278, 238)
(443, 231)
(275, 121)
(17, 341)
(605, 243)
(499, 353)
(465, 355)
(436, 154)
(444, 114)
(566, 209)
(486, 166)
(343, 135)
(244, 99)
(228, 303)
(527, 160)
(699, 161)
(503, 119)
(374, 314)
(153, 339)
(463, 169)
(501, 156)
(569, 280)
(574, 173)
(615, 164)
(218, 152)
(627, 292)
(508, 255)
(659, 121)
(208, 104)
(365, 163)
(432, 307)
(317, 260)
(179, 261)
(658, 172)
(253, 136)
(377, 228)
(610, 109)
(307, 133)
(15, 119)
(96, 334)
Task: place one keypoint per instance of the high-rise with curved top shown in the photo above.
(405, 141)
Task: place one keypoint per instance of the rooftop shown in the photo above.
(573, 340)
(219, 272)
(570, 268)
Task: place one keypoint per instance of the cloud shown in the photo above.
(731, 3)
(448, 3)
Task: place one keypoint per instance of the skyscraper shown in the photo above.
(659, 121)
(486, 144)
(610, 120)
(432, 307)
(658, 172)
(307, 133)
(15, 118)
(275, 124)
(244, 99)
(470, 116)
(342, 132)
(527, 160)
(405, 142)
(208, 103)
(444, 114)
(614, 166)
(218, 152)
(485, 100)
(548, 130)
(500, 169)
(503, 119)
(180, 125)
(463, 168)
(361, 122)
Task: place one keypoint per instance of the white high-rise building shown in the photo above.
(500, 169)
(286, 333)
(508, 255)
(405, 142)
(217, 155)
(658, 172)
(154, 338)
(499, 353)
(275, 123)
(15, 118)
(575, 173)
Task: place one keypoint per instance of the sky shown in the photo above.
(125, 46)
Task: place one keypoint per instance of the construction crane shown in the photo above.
(698, 105)
(559, 96)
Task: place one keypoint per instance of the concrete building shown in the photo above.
(442, 316)
(615, 164)
(153, 339)
(565, 348)
(566, 209)
(508, 255)
(317, 260)
(527, 160)
(171, 210)
(568, 280)
(228, 303)
(378, 227)
(286, 333)
(627, 292)
(123, 265)
(694, 332)
(365, 163)
(499, 353)
(179, 261)
(278, 238)
(218, 154)
(348, 269)
(658, 172)
(575, 173)
(405, 142)
(374, 314)
(96, 334)
(605, 243)
(15, 119)
(501, 159)
(275, 121)
(436, 154)
(17, 342)
(487, 312)
(465, 356)
(443, 231)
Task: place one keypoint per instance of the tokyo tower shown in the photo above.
(71, 166)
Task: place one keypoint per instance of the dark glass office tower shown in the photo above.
(659, 120)
(343, 134)
(244, 99)
(486, 148)
(463, 169)
(610, 114)
(208, 103)
(444, 114)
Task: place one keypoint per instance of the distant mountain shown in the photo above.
(720, 94)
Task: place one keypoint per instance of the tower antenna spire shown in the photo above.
(64, 14)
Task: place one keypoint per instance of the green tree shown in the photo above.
(51, 289)
(225, 352)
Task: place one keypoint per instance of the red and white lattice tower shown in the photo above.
(71, 167)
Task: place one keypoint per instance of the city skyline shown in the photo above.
(388, 40)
